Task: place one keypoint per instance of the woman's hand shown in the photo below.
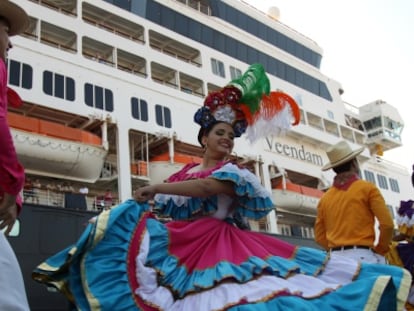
(144, 194)
(8, 212)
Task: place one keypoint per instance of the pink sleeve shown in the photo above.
(11, 171)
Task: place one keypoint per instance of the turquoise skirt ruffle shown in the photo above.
(128, 260)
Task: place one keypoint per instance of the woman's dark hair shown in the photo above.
(5, 20)
(204, 132)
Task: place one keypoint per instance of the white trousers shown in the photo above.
(12, 291)
(361, 255)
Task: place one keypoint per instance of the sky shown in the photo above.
(368, 47)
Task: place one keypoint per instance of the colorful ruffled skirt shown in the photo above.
(128, 260)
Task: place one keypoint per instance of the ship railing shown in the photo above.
(135, 72)
(191, 91)
(98, 58)
(175, 55)
(196, 5)
(53, 6)
(57, 45)
(113, 30)
(56, 198)
(165, 82)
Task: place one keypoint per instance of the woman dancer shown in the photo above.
(129, 260)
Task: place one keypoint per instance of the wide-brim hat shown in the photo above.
(340, 153)
(15, 15)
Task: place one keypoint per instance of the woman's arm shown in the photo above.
(192, 188)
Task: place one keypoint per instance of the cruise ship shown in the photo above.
(109, 91)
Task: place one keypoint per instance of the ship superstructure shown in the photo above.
(110, 89)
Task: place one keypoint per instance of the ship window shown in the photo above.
(382, 181)
(393, 125)
(323, 91)
(394, 185)
(208, 36)
(290, 74)
(285, 229)
(194, 32)
(239, 48)
(217, 67)
(109, 100)
(124, 4)
(220, 43)
(331, 127)
(98, 97)
(235, 72)
(311, 84)
(252, 56)
(58, 86)
(369, 176)
(182, 26)
(167, 19)
(70, 89)
(373, 123)
(163, 116)
(59, 81)
(20, 74)
(139, 109)
(296, 230)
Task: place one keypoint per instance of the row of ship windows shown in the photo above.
(218, 41)
(63, 87)
(230, 15)
(382, 181)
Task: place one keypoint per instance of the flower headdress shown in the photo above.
(248, 105)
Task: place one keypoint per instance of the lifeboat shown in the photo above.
(162, 166)
(297, 199)
(50, 149)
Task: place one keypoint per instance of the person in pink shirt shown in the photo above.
(13, 20)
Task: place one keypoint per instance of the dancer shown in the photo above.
(352, 211)
(402, 248)
(129, 260)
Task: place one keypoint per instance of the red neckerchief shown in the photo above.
(343, 181)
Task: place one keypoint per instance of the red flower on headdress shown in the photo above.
(213, 100)
(231, 94)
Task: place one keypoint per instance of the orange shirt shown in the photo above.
(347, 217)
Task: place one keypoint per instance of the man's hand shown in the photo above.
(8, 212)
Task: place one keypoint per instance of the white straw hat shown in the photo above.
(15, 15)
(339, 154)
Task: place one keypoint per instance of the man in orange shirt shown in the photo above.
(346, 212)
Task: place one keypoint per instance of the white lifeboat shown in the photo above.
(293, 198)
(50, 149)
